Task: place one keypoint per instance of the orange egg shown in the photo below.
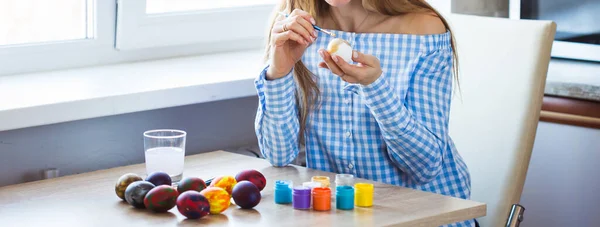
(224, 182)
(218, 199)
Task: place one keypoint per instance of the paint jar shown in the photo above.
(301, 198)
(321, 198)
(311, 184)
(283, 191)
(344, 180)
(364, 194)
(324, 180)
(344, 197)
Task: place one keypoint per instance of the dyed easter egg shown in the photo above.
(253, 176)
(224, 182)
(136, 192)
(246, 194)
(340, 48)
(123, 182)
(161, 198)
(218, 199)
(159, 178)
(191, 183)
(193, 205)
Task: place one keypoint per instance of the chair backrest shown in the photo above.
(494, 116)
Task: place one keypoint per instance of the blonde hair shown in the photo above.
(308, 93)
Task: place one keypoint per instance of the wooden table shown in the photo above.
(89, 200)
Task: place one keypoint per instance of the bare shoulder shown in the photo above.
(418, 23)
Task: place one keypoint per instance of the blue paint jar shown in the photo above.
(283, 191)
(344, 197)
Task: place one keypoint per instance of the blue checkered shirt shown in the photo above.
(394, 130)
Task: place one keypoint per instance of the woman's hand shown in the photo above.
(289, 39)
(365, 72)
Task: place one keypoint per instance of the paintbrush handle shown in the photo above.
(314, 26)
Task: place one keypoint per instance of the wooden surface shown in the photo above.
(89, 200)
(571, 111)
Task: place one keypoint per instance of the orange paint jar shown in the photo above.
(321, 198)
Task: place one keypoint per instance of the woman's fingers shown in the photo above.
(304, 14)
(330, 63)
(299, 22)
(349, 70)
(280, 38)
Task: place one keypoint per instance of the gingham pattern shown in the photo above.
(394, 130)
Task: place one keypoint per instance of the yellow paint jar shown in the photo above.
(363, 196)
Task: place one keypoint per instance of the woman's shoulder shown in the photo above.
(417, 24)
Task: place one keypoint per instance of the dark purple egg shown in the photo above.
(159, 178)
(193, 205)
(136, 192)
(191, 183)
(246, 195)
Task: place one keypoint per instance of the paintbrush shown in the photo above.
(314, 26)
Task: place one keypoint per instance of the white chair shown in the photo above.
(494, 117)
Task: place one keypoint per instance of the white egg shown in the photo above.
(340, 48)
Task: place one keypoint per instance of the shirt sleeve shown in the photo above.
(415, 127)
(276, 123)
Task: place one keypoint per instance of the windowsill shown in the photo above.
(53, 97)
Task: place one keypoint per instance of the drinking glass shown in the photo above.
(165, 151)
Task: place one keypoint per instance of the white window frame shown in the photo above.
(119, 38)
(137, 30)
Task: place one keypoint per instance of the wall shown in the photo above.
(100, 143)
(562, 182)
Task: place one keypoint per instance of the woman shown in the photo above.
(383, 117)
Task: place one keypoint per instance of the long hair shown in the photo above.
(308, 92)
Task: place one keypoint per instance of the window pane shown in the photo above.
(34, 21)
(169, 6)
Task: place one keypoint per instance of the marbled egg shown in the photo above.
(123, 182)
(159, 178)
(191, 183)
(193, 205)
(218, 199)
(136, 192)
(224, 182)
(161, 198)
(257, 178)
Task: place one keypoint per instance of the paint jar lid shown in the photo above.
(344, 190)
(324, 180)
(301, 190)
(311, 184)
(283, 184)
(321, 191)
(344, 179)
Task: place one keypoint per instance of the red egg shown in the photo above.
(253, 176)
(161, 198)
(246, 194)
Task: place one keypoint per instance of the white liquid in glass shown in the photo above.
(165, 159)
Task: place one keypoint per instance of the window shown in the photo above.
(170, 6)
(153, 23)
(41, 35)
(37, 21)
